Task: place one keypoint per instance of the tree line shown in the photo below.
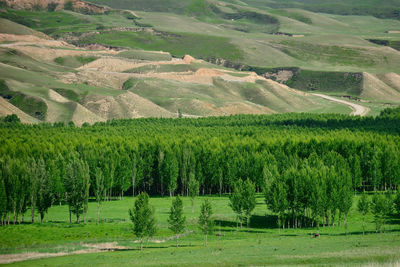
(294, 154)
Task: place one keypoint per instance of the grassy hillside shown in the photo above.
(377, 8)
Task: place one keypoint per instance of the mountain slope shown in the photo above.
(72, 65)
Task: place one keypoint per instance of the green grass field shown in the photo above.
(261, 244)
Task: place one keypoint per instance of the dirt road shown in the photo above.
(357, 109)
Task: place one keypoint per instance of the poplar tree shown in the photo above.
(44, 190)
(193, 188)
(142, 217)
(363, 207)
(378, 208)
(236, 201)
(3, 200)
(176, 219)
(397, 200)
(34, 173)
(77, 187)
(345, 196)
(206, 223)
(99, 190)
(276, 199)
(170, 170)
(248, 196)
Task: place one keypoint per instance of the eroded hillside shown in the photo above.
(93, 63)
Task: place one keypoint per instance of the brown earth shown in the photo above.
(43, 4)
(126, 105)
(90, 248)
(82, 115)
(375, 88)
(282, 76)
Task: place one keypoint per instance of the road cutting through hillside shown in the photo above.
(358, 110)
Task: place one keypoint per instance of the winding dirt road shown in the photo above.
(358, 110)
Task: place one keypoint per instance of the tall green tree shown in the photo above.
(3, 199)
(363, 207)
(378, 210)
(44, 197)
(345, 195)
(236, 201)
(34, 173)
(176, 219)
(388, 209)
(318, 196)
(206, 223)
(193, 188)
(248, 199)
(142, 217)
(276, 199)
(99, 190)
(170, 170)
(77, 184)
(397, 201)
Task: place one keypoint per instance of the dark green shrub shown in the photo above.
(51, 7)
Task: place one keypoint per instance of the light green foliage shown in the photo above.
(276, 198)
(170, 171)
(100, 190)
(3, 198)
(142, 217)
(236, 201)
(378, 210)
(249, 199)
(363, 207)
(44, 193)
(193, 187)
(77, 187)
(397, 201)
(206, 222)
(176, 219)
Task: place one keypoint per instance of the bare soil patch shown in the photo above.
(90, 248)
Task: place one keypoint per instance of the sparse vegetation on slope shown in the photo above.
(31, 105)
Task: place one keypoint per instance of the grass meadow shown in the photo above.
(260, 244)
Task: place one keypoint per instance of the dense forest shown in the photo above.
(315, 162)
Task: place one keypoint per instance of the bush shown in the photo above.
(51, 7)
(69, 6)
(13, 118)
